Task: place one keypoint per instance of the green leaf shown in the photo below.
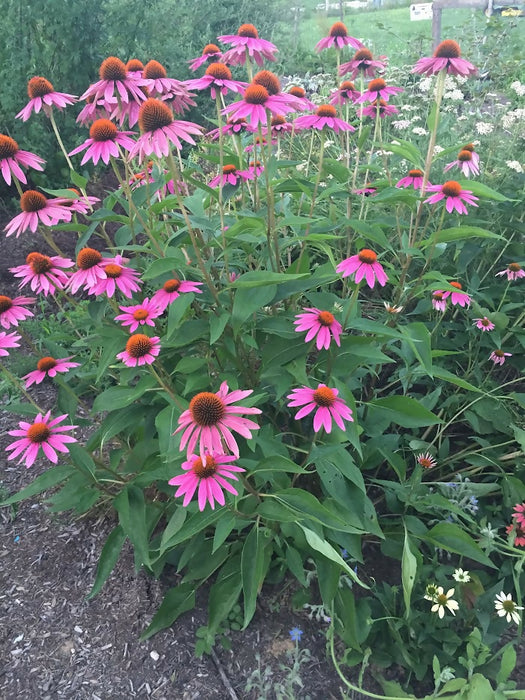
(453, 538)
(457, 233)
(295, 564)
(108, 558)
(131, 508)
(407, 151)
(326, 549)
(47, 480)
(419, 339)
(217, 326)
(408, 572)
(403, 411)
(480, 190)
(260, 278)
(441, 373)
(83, 460)
(278, 463)
(508, 664)
(196, 523)
(223, 530)
(308, 507)
(120, 396)
(224, 593)
(175, 523)
(161, 267)
(479, 688)
(248, 300)
(177, 312)
(252, 570)
(177, 600)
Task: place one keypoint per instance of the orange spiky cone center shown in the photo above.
(207, 409)
(32, 201)
(88, 258)
(112, 68)
(8, 147)
(448, 49)
(103, 130)
(367, 256)
(38, 87)
(46, 363)
(324, 397)
(154, 114)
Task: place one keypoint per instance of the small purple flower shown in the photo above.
(296, 634)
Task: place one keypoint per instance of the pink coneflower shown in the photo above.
(364, 265)
(95, 110)
(247, 43)
(454, 195)
(381, 106)
(8, 340)
(159, 129)
(255, 169)
(484, 324)
(514, 271)
(232, 126)
(90, 271)
(218, 77)
(465, 162)
(115, 84)
(519, 533)
(367, 190)
(261, 96)
(42, 96)
(210, 54)
(116, 276)
(326, 404)
(157, 83)
(470, 147)
(378, 89)
(300, 94)
(230, 176)
(46, 274)
(139, 314)
(140, 350)
(48, 367)
(498, 356)
(458, 298)
(338, 38)
(37, 209)
(13, 310)
(134, 68)
(426, 460)
(362, 62)
(209, 474)
(42, 433)
(80, 204)
(259, 143)
(278, 126)
(210, 419)
(519, 514)
(346, 92)
(413, 179)
(11, 158)
(439, 301)
(321, 324)
(272, 84)
(172, 289)
(103, 142)
(325, 116)
(446, 57)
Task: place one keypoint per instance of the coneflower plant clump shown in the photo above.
(289, 344)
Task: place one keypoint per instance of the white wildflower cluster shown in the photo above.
(401, 124)
(515, 165)
(425, 84)
(454, 94)
(462, 118)
(484, 128)
(419, 131)
(409, 108)
(516, 115)
(518, 88)
(437, 150)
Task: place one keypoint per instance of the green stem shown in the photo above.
(62, 148)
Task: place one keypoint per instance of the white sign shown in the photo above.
(420, 11)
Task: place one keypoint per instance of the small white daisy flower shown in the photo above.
(431, 592)
(461, 576)
(506, 607)
(444, 600)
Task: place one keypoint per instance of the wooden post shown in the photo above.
(439, 5)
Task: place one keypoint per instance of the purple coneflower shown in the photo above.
(255, 169)
(13, 310)
(218, 77)
(278, 125)
(158, 84)
(325, 116)
(338, 38)
(172, 289)
(255, 104)
(210, 54)
(321, 324)
(514, 271)
(300, 93)
(8, 340)
(363, 62)
(207, 473)
(378, 89)
(439, 302)
(498, 356)
(159, 129)
(247, 43)
(458, 298)
(42, 96)
(346, 92)
(230, 176)
(454, 195)
(36, 209)
(45, 274)
(11, 158)
(103, 142)
(116, 276)
(381, 106)
(446, 57)
(42, 433)
(134, 68)
(90, 271)
(413, 179)
(232, 126)
(115, 84)
(95, 110)
(210, 419)
(140, 350)
(139, 314)
(519, 514)
(484, 324)
(465, 162)
(48, 367)
(364, 265)
(368, 190)
(325, 402)
(426, 460)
